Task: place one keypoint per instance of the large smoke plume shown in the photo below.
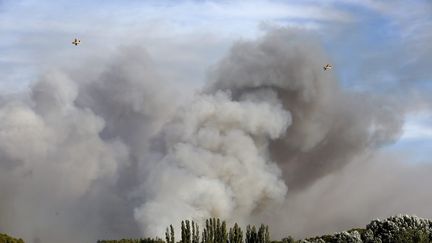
(270, 136)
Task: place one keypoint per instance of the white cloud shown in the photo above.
(418, 126)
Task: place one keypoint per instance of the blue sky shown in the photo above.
(383, 47)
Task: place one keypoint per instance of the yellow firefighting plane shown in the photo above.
(327, 67)
(76, 42)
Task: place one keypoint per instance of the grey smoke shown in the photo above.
(372, 186)
(330, 125)
(116, 154)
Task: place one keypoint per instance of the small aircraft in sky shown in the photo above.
(76, 42)
(327, 67)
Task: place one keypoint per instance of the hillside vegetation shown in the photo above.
(7, 239)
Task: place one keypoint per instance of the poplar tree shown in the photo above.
(188, 232)
(261, 234)
(167, 237)
(267, 235)
(236, 234)
(224, 235)
(218, 232)
(172, 234)
(248, 234)
(204, 236)
(254, 235)
(183, 233)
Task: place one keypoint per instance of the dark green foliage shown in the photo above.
(172, 240)
(235, 234)
(167, 236)
(7, 239)
(248, 234)
(186, 236)
(211, 231)
(224, 233)
(188, 232)
(267, 235)
(252, 235)
(289, 239)
(183, 233)
(261, 235)
(215, 231)
(146, 240)
(412, 235)
(195, 232)
(204, 236)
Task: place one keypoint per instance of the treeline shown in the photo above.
(400, 229)
(7, 239)
(214, 231)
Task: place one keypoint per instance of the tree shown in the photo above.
(172, 234)
(254, 235)
(188, 232)
(167, 236)
(185, 232)
(235, 234)
(224, 235)
(195, 232)
(267, 235)
(248, 234)
(261, 234)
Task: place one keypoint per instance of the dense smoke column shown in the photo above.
(329, 126)
(215, 163)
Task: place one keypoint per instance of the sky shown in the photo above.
(375, 46)
(116, 112)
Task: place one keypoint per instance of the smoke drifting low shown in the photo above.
(268, 139)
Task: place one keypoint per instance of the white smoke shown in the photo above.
(217, 162)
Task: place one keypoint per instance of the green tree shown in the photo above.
(185, 232)
(195, 232)
(172, 234)
(235, 234)
(261, 234)
(254, 235)
(248, 234)
(188, 232)
(267, 235)
(183, 229)
(224, 234)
